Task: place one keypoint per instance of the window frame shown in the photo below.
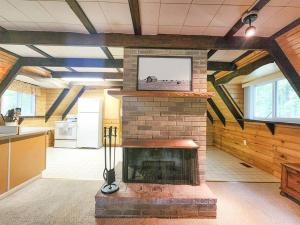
(251, 103)
(19, 103)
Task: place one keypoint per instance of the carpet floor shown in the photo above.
(71, 202)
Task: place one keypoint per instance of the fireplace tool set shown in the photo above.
(109, 173)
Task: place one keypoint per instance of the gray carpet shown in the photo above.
(71, 202)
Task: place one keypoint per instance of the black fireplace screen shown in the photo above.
(163, 166)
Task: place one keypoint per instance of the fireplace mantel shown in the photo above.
(160, 143)
(174, 94)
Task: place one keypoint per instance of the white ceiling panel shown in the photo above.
(239, 2)
(33, 10)
(93, 11)
(216, 31)
(173, 14)
(21, 50)
(116, 13)
(73, 51)
(94, 69)
(278, 2)
(149, 30)
(58, 69)
(169, 29)
(118, 53)
(125, 29)
(176, 1)
(228, 15)
(10, 13)
(201, 15)
(226, 55)
(60, 11)
(188, 30)
(149, 13)
(207, 2)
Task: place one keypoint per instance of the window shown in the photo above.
(13, 99)
(272, 100)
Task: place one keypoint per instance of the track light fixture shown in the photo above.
(249, 18)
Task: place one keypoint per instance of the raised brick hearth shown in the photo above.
(154, 200)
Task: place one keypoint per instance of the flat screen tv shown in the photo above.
(164, 73)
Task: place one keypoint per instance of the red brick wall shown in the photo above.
(167, 118)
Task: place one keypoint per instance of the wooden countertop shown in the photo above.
(25, 131)
(160, 143)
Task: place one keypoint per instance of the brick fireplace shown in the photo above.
(161, 179)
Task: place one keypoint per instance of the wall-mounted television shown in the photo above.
(164, 73)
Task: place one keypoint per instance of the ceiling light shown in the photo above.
(249, 18)
(250, 31)
(82, 79)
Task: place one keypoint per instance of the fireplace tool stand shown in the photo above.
(109, 173)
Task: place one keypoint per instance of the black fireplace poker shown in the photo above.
(109, 173)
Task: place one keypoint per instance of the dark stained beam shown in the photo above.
(73, 62)
(228, 100)
(10, 76)
(56, 103)
(290, 26)
(34, 48)
(211, 52)
(285, 66)
(245, 70)
(68, 109)
(87, 75)
(134, 41)
(221, 66)
(209, 116)
(271, 127)
(76, 8)
(135, 16)
(216, 110)
(239, 24)
(2, 29)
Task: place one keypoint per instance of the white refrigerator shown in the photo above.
(89, 123)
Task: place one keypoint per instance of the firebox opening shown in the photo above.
(163, 166)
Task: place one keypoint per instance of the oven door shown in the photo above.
(65, 131)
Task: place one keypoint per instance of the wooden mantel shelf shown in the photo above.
(174, 94)
(160, 143)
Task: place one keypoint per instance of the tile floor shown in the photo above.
(88, 164)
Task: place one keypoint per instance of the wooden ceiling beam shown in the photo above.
(72, 62)
(224, 66)
(87, 75)
(209, 116)
(211, 52)
(135, 16)
(128, 40)
(70, 106)
(217, 111)
(290, 26)
(10, 76)
(56, 103)
(228, 100)
(246, 70)
(285, 66)
(239, 24)
(76, 8)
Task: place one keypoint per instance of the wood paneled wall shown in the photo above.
(237, 93)
(6, 62)
(257, 146)
(290, 45)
